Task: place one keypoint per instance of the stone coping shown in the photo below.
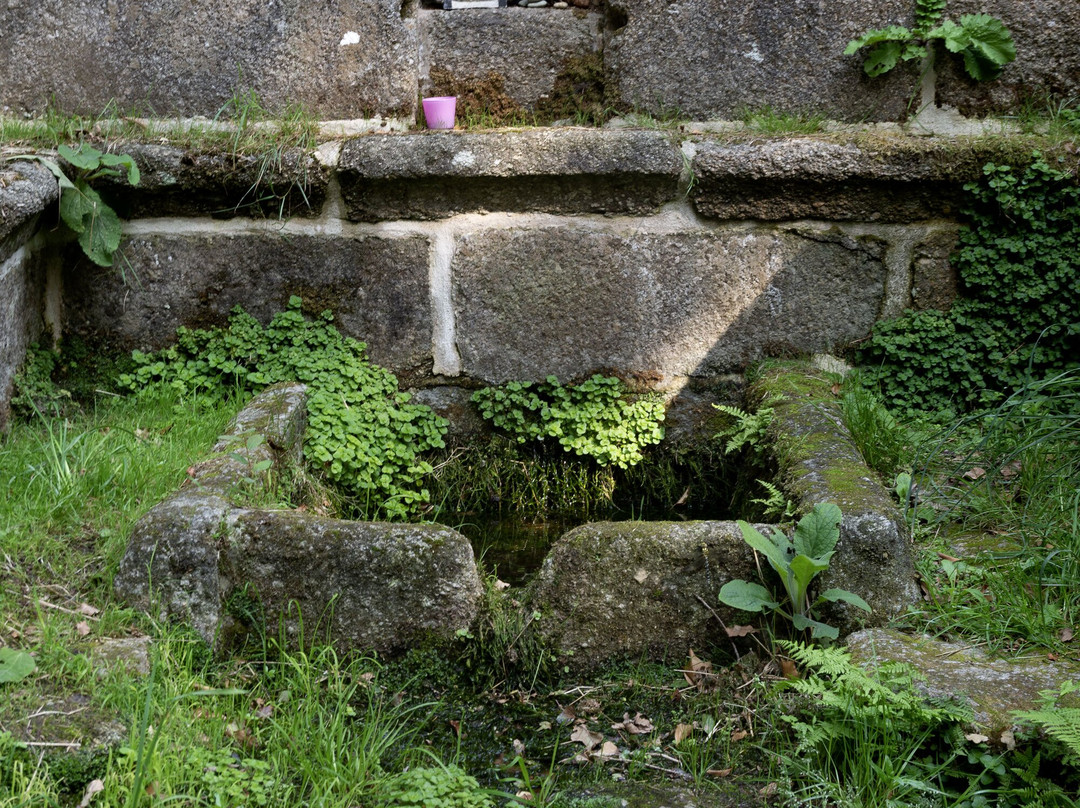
(865, 174)
(27, 189)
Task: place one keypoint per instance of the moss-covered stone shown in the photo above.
(819, 462)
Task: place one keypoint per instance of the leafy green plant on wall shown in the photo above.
(1019, 293)
(81, 207)
(982, 41)
(362, 431)
(797, 561)
(592, 419)
(436, 787)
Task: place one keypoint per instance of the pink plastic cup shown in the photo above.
(439, 112)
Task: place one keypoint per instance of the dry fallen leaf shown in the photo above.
(682, 732)
(641, 576)
(1008, 740)
(519, 747)
(738, 735)
(739, 631)
(590, 740)
(638, 725)
(768, 790)
(975, 737)
(788, 669)
(500, 585)
(566, 715)
(88, 610)
(92, 788)
(524, 795)
(1066, 634)
(609, 750)
(718, 772)
(975, 473)
(699, 673)
(82, 628)
(588, 706)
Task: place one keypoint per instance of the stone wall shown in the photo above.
(27, 190)
(466, 258)
(352, 59)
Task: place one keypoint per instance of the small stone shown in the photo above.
(537, 3)
(561, 4)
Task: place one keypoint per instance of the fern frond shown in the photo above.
(1061, 723)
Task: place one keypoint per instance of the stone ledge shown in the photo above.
(181, 182)
(562, 170)
(819, 462)
(27, 190)
(870, 179)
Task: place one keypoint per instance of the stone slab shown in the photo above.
(630, 589)
(715, 58)
(992, 688)
(527, 49)
(566, 170)
(339, 58)
(377, 289)
(1047, 59)
(934, 281)
(875, 179)
(22, 298)
(180, 182)
(573, 300)
(27, 190)
(819, 462)
(361, 585)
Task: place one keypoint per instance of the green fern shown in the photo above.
(776, 505)
(745, 429)
(1060, 723)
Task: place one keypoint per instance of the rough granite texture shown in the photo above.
(630, 589)
(339, 58)
(1047, 59)
(376, 287)
(27, 191)
(527, 49)
(819, 462)
(884, 179)
(933, 279)
(715, 58)
(992, 688)
(178, 182)
(438, 174)
(574, 300)
(363, 585)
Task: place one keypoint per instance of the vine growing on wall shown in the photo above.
(1016, 317)
(363, 433)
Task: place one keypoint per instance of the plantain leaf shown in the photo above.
(836, 595)
(817, 628)
(85, 157)
(818, 531)
(15, 665)
(882, 58)
(749, 597)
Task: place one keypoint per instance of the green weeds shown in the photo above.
(768, 121)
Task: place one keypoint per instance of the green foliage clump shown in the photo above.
(34, 388)
(1019, 295)
(436, 787)
(797, 561)
(81, 207)
(591, 419)
(982, 41)
(362, 431)
(228, 781)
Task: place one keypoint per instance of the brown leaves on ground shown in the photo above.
(699, 674)
(638, 725)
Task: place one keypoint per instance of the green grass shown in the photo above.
(773, 122)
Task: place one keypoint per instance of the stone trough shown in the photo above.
(605, 590)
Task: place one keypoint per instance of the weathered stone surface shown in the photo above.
(628, 589)
(367, 585)
(340, 58)
(376, 287)
(884, 179)
(22, 295)
(993, 688)
(455, 405)
(177, 182)
(364, 585)
(27, 190)
(933, 278)
(438, 174)
(573, 300)
(819, 463)
(714, 58)
(1047, 60)
(528, 50)
(131, 654)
